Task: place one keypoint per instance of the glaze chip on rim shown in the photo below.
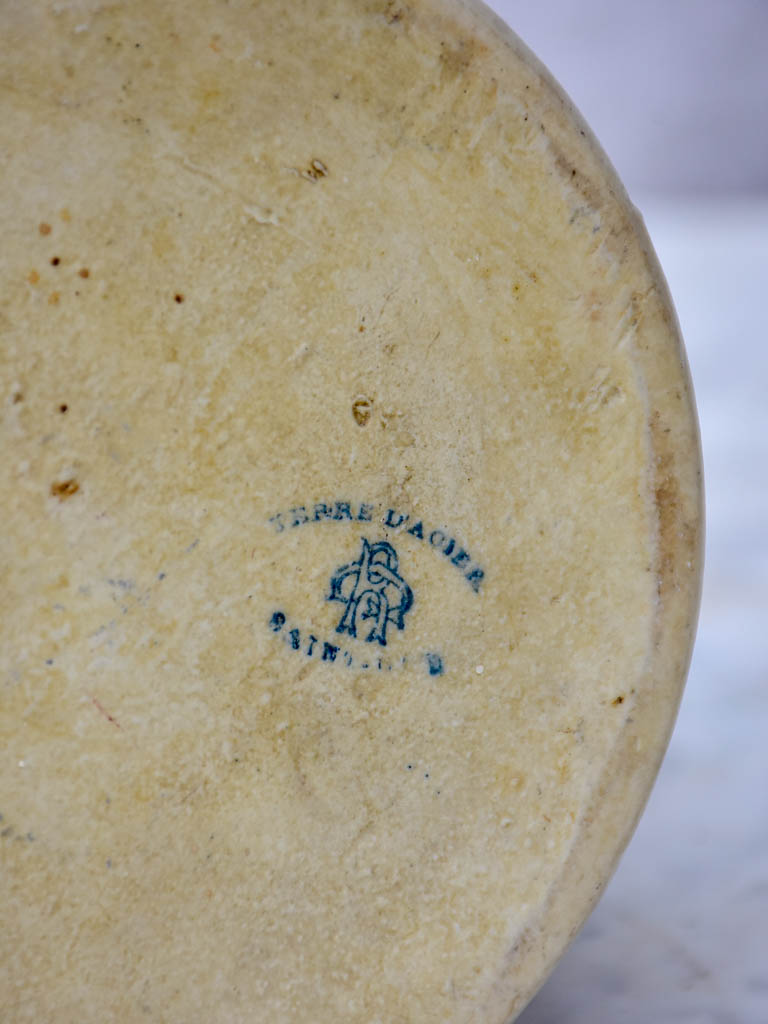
(352, 513)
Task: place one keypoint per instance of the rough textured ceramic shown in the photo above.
(351, 514)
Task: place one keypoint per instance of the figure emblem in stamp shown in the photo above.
(371, 588)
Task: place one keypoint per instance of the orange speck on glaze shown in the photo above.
(63, 489)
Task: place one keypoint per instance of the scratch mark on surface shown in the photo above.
(191, 793)
(102, 710)
(201, 172)
(263, 215)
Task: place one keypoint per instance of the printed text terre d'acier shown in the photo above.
(438, 539)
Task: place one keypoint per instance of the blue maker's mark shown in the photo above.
(434, 664)
(304, 642)
(371, 588)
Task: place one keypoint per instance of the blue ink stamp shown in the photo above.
(299, 639)
(371, 589)
(438, 540)
(434, 664)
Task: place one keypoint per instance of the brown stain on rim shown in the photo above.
(677, 538)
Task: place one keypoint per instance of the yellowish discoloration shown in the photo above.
(275, 228)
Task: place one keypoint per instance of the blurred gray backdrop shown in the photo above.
(675, 90)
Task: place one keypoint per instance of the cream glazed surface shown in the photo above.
(352, 514)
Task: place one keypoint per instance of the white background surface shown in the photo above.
(677, 93)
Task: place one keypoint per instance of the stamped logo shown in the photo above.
(371, 589)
